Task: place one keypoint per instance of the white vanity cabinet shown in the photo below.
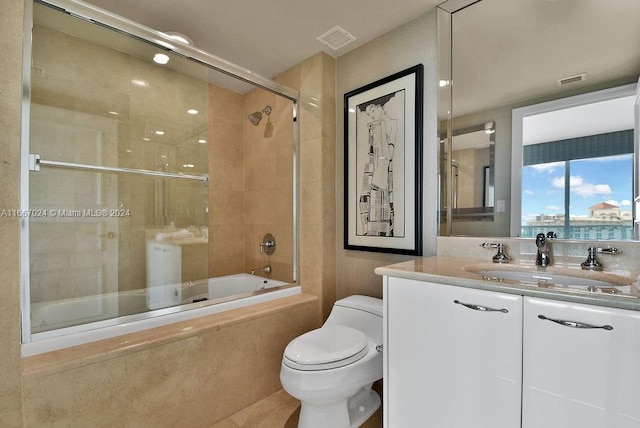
(453, 356)
(576, 371)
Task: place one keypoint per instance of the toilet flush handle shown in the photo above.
(379, 348)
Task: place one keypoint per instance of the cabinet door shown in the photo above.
(451, 365)
(576, 375)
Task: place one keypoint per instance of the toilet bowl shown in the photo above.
(331, 369)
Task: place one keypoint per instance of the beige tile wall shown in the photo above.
(230, 362)
(11, 35)
(315, 79)
(268, 172)
(226, 188)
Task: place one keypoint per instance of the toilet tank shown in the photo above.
(360, 312)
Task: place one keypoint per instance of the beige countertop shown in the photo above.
(465, 272)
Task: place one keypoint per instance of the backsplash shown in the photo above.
(523, 250)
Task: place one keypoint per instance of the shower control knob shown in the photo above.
(268, 245)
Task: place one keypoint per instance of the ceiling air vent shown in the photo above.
(336, 38)
(572, 79)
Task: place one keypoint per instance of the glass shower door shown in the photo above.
(74, 231)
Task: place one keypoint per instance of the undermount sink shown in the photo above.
(555, 280)
(538, 277)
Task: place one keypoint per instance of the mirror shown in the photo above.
(472, 178)
(500, 55)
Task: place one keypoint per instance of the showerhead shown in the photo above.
(256, 117)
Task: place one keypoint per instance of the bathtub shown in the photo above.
(239, 285)
(198, 298)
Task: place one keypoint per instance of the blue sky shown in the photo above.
(607, 179)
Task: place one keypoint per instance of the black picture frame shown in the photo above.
(383, 127)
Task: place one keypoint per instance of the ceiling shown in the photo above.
(513, 51)
(269, 36)
(579, 121)
(505, 51)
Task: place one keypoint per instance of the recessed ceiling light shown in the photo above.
(202, 141)
(179, 37)
(146, 139)
(115, 113)
(161, 58)
(192, 111)
(159, 132)
(139, 82)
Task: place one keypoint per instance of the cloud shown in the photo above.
(527, 192)
(582, 188)
(612, 202)
(615, 158)
(558, 182)
(547, 168)
(625, 203)
(587, 189)
(553, 207)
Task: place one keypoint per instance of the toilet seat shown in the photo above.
(326, 348)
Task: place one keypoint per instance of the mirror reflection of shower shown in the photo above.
(454, 184)
(256, 117)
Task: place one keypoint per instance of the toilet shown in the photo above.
(331, 369)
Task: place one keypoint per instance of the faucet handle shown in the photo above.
(268, 244)
(501, 256)
(608, 250)
(592, 262)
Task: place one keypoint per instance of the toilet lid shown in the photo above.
(327, 347)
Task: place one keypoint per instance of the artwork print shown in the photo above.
(383, 164)
(380, 140)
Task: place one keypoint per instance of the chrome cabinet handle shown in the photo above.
(479, 308)
(574, 324)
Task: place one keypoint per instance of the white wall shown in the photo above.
(413, 43)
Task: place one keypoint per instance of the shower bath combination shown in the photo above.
(95, 299)
(256, 117)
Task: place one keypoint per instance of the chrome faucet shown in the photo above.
(592, 262)
(543, 258)
(266, 269)
(501, 256)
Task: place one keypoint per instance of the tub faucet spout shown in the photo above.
(266, 269)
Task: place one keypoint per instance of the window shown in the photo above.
(576, 197)
(572, 166)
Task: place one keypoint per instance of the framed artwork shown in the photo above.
(383, 164)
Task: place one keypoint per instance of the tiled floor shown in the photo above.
(271, 412)
(280, 410)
